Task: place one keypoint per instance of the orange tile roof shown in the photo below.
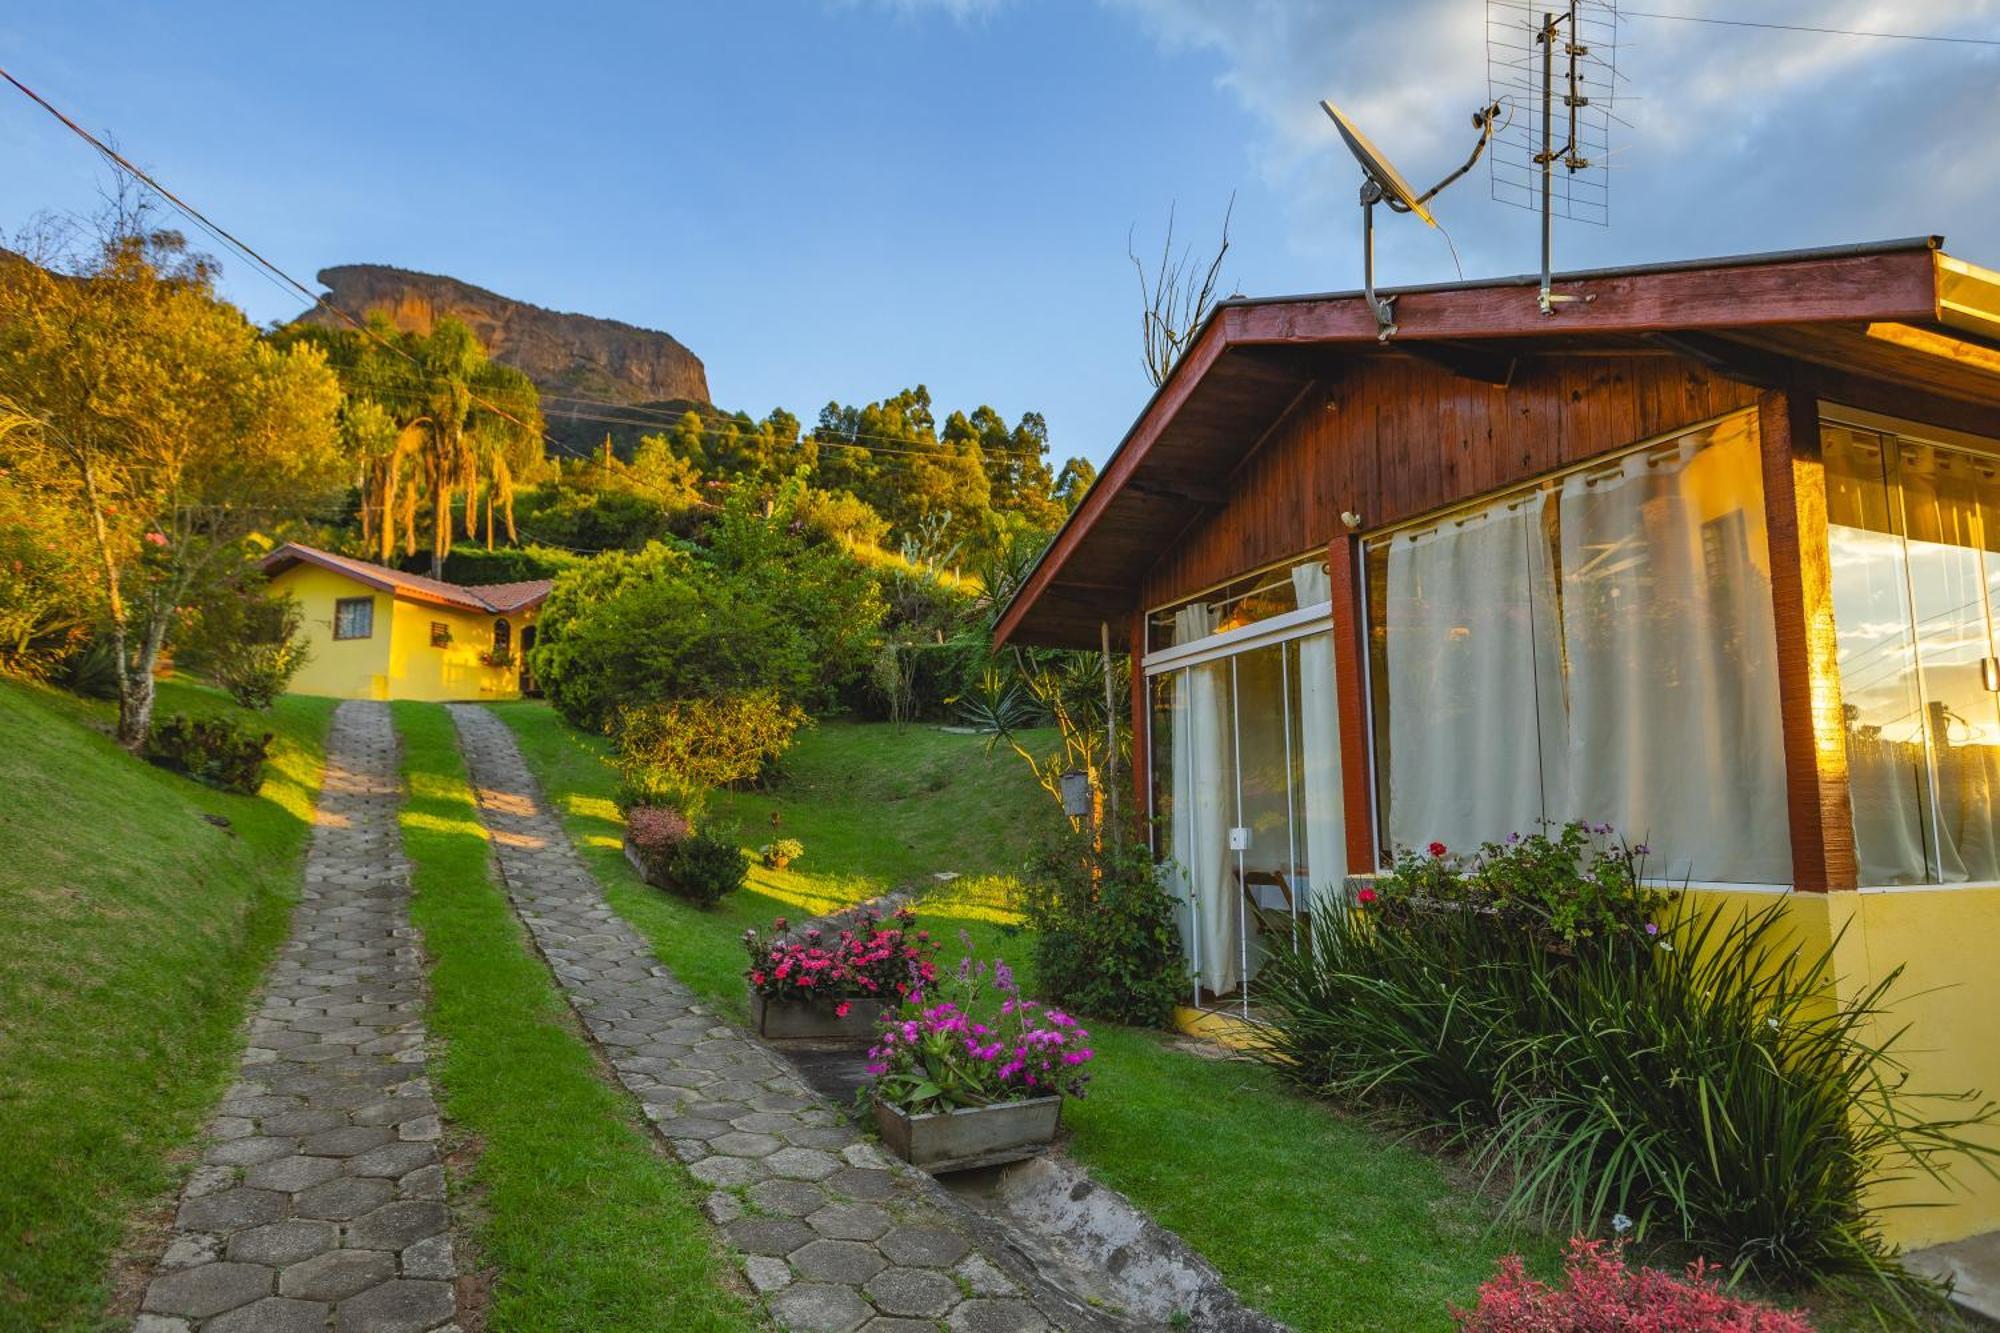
(490, 598)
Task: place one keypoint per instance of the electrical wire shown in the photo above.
(1810, 28)
(287, 282)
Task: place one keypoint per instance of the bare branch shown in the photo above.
(1175, 298)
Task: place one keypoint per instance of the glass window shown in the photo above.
(1599, 647)
(503, 637)
(1247, 800)
(1912, 530)
(1254, 597)
(354, 618)
(440, 634)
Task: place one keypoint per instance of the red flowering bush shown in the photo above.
(655, 828)
(1600, 1294)
(872, 960)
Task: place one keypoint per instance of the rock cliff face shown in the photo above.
(563, 354)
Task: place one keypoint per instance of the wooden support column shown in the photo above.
(1809, 699)
(1357, 767)
(1142, 734)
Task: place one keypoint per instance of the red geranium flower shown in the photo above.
(1437, 849)
(1365, 897)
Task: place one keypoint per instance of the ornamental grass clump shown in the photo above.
(875, 959)
(955, 1047)
(1606, 1052)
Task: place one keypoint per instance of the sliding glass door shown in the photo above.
(1247, 799)
(1914, 541)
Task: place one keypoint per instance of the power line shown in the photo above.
(1806, 27)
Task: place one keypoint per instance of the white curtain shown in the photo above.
(1321, 809)
(1204, 802)
(1674, 731)
(1474, 686)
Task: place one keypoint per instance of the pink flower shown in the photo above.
(1365, 897)
(842, 1009)
(157, 538)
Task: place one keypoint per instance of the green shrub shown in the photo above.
(91, 672)
(676, 753)
(760, 607)
(706, 867)
(1106, 940)
(1698, 1075)
(508, 564)
(248, 642)
(1574, 888)
(214, 750)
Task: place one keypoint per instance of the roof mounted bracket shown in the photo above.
(1382, 307)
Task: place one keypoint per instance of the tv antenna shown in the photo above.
(1558, 62)
(1385, 185)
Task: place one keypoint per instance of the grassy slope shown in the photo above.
(131, 931)
(1322, 1223)
(875, 810)
(587, 1223)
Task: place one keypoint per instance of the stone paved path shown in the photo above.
(320, 1201)
(834, 1235)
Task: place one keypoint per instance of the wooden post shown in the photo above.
(1142, 732)
(1110, 729)
(1357, 767)
(1809, 699)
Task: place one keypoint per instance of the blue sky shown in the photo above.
(838, 198)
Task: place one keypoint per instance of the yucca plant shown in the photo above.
(1416, 1013)
(1717, 1090)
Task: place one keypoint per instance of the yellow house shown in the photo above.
(378, 633)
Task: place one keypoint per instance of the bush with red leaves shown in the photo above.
(1601, 1295)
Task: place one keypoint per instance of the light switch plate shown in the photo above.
(1239, 840)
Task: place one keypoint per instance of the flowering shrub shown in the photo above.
(872, 960)
(942, 1055)
(655, 829)
(781, 853)
(1601, 1295)
(1579, 884)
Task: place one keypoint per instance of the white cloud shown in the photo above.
(1739, 138)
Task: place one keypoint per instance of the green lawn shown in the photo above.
(131, 931)
(1323, 1223)
(582, 1219)
(876, 810)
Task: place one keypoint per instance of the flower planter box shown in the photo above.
(971, 1136)
(639, 864)
(814, 1019)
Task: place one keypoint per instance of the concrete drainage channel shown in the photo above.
(1059, 1231)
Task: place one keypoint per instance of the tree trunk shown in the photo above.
(136, 686)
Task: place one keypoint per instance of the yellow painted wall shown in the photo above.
(1947, 999)
(397, 662)
(345, 668)
(419, 671)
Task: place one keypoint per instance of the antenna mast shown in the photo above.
(1588, 32)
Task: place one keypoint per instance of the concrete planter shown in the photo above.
(814, 1019)
(970, 1136)
(639, 864)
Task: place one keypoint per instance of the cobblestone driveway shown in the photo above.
(832, 1235)
(320, 1200)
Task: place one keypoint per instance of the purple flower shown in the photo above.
(1003, 975)
(1652, 928)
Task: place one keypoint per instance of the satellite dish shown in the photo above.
(1380, 170)
(1385, 185)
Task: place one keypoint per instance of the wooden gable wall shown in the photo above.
(1390, 437)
